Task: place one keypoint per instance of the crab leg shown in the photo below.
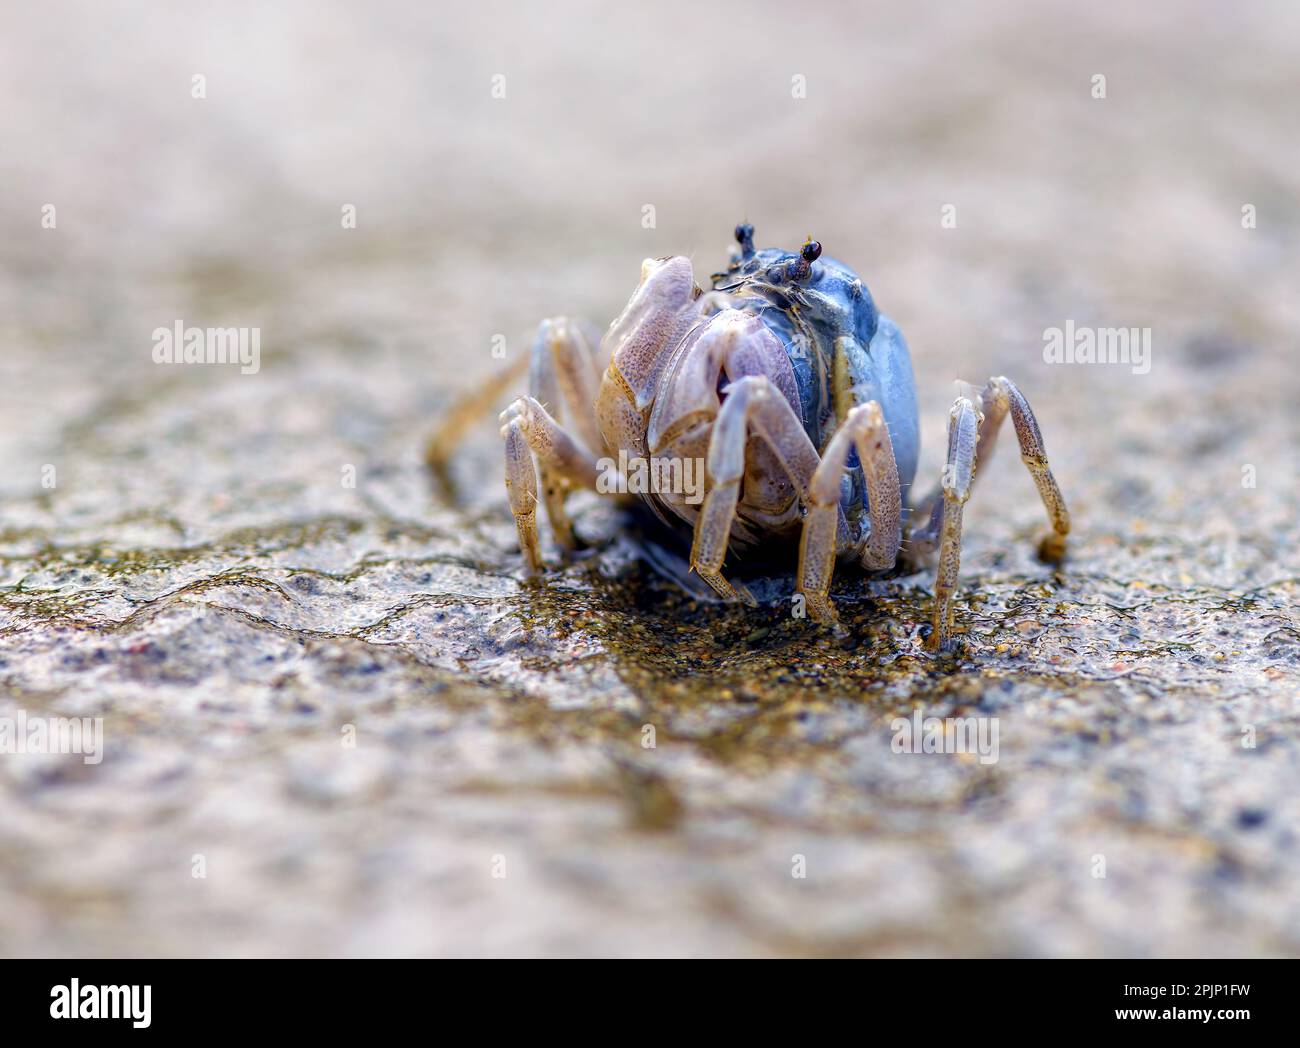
(521, 487)
(734, 344)
(864, 428)
(563, 374)
(958, 474)
(943, 526)
(1001, 396)
(465, 412)
(563, 371)
(529, 429)
(749, 402)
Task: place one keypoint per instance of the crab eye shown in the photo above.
(811, 251)
(744, 232)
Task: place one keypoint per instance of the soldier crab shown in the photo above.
(797, 395)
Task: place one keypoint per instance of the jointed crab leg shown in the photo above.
(971, 435)
(563, 371)
(521, 487)
(528, 428)
(750, 402)
(999, 397)
(864, 428)
(958, 474)
(461, 416)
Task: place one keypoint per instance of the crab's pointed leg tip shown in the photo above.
(1051, 550)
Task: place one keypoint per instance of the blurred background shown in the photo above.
(183, 555)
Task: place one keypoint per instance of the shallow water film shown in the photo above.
(337, 717)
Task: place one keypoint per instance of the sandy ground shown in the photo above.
(337, 721)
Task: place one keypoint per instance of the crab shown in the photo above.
(794, 394)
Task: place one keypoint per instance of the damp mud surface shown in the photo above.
(337, 717)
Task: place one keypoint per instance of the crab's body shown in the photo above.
(830, 316)
(796, 394)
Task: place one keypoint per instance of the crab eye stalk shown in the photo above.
(745, 238)
(801, 268)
